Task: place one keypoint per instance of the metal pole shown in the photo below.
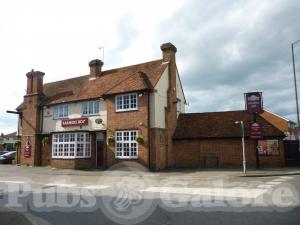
(296, 90)
(243, 143)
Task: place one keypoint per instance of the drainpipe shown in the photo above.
(149, 132)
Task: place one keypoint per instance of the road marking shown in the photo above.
(265, 186)
(216, 192)
(61, 185)
(279, 180)
(12, 181)
(96, 187)
(273, 182)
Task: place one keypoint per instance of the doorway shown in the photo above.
(99, 150)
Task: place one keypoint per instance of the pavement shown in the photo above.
(50, 196)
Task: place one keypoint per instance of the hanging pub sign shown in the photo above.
(27, 151)
(254, 102)
(255, 130)
(75, 122)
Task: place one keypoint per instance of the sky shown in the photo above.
(225, 48)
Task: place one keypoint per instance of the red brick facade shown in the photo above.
(132, 120)
(222, 153)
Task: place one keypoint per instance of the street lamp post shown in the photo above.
(296, 90)
(243, 144)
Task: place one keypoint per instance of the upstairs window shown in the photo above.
(61, 111)
(126, 102)
(91, 108)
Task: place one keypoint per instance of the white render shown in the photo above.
(158, 100)
(75, 111)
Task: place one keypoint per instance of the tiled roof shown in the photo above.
(126, 79)
(219, 125)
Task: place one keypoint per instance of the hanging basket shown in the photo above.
(140, 140)
(45, 141)
(111, 140)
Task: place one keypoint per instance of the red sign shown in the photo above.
(75, 122)
(27, 151)
(255, 130)
(254, 102)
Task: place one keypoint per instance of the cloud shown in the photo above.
(227, 48)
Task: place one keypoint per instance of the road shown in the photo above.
(62, 197)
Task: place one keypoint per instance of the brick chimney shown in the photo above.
(34, 82)
(95, 67)
(168, 50)
(168, 54)
(31, 118)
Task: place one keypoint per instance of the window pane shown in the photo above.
(60, 149)
(66, 149)
(79, 149)
(126, 149)
(72, 149)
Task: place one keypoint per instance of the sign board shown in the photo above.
(254, 103)
(255, 130)
(75, 122)
(268, 147)
(27, 151)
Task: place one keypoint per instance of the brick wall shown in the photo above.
(131, 120)
(158, 149)
(192, 153)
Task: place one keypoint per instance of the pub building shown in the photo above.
(134, 113)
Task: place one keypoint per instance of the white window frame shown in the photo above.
(90, 108)
(120, 102)
(62, 142)
(122, 141)
(60, 111)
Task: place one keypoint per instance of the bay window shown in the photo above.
(126, 145)
(71, 145)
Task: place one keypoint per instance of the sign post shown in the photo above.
(254, 105)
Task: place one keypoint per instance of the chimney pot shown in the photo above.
(95, 67)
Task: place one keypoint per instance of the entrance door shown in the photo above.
(99, 149)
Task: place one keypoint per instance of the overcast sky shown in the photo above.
(225, 48)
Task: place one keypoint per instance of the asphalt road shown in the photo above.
(129, 197)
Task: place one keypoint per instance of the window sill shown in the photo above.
(98, 114)
(127, 110)
(68, 158)
(127, 158)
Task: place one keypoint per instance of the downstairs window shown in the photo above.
(71, 145)
(126, 145)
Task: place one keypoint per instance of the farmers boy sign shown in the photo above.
(254, 103)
